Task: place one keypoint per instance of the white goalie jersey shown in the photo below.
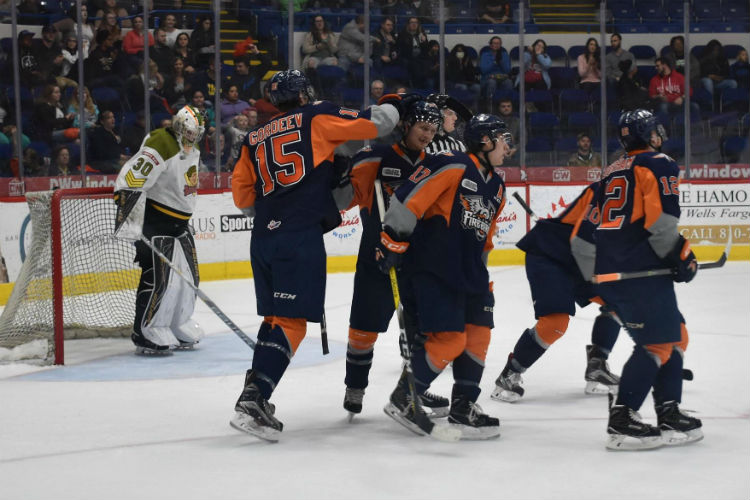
(167, 175)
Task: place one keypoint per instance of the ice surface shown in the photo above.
(110, 425)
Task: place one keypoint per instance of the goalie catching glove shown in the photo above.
(683, 262)
(390, 251)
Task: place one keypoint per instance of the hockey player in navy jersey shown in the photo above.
(640, 209)
(445, 215)
(372, 300)
(559, 267)
(284, 179)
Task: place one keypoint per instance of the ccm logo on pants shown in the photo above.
(282, 295)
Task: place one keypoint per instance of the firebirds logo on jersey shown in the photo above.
(477, 215)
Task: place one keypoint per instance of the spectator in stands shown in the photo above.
(202, 40)
(585, 156)
(411, 47)
(101, 66)
(49, 122)
(170, 27)
(384, 53)
(319, 46)
(49, 57)
(430, 78)
(247, 77)
(105, 146)
(110, 25)
(252, 118)
(667, 87)
(176, 86)
(715, 69)
(423, 9)
(740, 70)
(352, 43)
(494, 65)
(615, 57)
(265, 108)
(676, 52)
(110, 7)
(90, 110)
(236, 132)
(536, 65)
(198, 100)
(231, 105)
(69, 25)
(590, 67)
(136, 91)
(505, 112)
(70, 55)
(60, 164)
(183, 50)
(204, 81)
(32, 164)
(133, 134)
(630, 90)
(162, 54)
(461, 71)
(377, 89)
(208, 154)
(31, 76)
(495, 11)
(133, 42)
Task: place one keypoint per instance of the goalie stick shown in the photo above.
(439, 432)
(210, 303)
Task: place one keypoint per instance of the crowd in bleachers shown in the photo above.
(562, 87)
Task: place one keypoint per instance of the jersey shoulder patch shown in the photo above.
(163, 143)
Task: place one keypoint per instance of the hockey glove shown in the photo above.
(390, 251)
(683, 261)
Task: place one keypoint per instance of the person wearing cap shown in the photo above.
(49, 56)
(31, 76)
(585, 156)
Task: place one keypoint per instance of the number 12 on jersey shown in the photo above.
(281, 165)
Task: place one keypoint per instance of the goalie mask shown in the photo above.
(188, 127)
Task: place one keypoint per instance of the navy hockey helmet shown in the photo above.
(286, 87)
(635, 127)
(481, 126)
(423, 111)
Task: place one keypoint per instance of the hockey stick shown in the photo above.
(525, 206)
(438, 432)
(210, 303)
(606, 278)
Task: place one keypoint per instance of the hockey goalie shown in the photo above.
(156, 193)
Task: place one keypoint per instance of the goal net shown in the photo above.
(78, 280)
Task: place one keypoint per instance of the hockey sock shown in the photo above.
(605, 333)
(467, 373)
(271, 358)
(668, 383)
(359, 352)
(527, 349)
(637, 377)
(424, 372)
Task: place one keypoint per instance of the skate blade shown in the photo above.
(500, 394)
(620, 442)
(440, 412)
(593, 387)
(152, 353)
(350, 416)
(675, 438)
(392, 411)
(245, 423)
(185, 346)
(469, 433)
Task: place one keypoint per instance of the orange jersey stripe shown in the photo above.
(243, 181)
(434, 195)
(647, 199)
(363, 178)
(578, 213)
(329, 132)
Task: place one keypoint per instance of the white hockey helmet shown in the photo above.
(187, 124)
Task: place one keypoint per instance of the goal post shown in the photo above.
(78, 280)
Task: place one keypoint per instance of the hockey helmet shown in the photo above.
(635, 127)
(188, 125)
(422, 111)
(286, 87)
(484, 125)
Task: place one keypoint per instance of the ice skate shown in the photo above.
(627, 432)
(474, 425)
(254, 414)
(599, 380)
(185, 346)
(435, 406)
(353, 401)
(401, 409)
(144, 347)
(508, 384)
(676, 427)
